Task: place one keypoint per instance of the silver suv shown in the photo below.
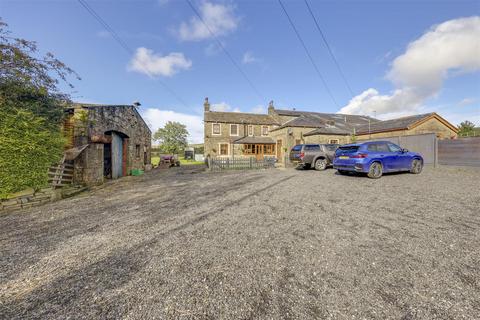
(319, 156)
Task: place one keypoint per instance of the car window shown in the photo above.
(382, 147)
(394, 147)
(331, 147)
(312, 147)
(347, 150)
(298, 147)
(372, 147)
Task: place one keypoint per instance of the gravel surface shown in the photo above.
(275, 244)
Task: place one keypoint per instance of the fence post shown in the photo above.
(251, 163)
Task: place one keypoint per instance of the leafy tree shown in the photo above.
(29, 93)
(27, 148)
(466, 128)
(172, 137)
(26, 80)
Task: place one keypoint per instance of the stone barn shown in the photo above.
(105, 142)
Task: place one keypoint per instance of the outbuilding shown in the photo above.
(105, 141)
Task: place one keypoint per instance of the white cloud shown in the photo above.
(157, 118)
(220, 19)
(223, 107)
(248, 57)
(467, 102)
(419, 73)
(152, 64)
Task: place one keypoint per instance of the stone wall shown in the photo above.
(211, 141)
(325, 138)
(28, 198)
(288, 140)
(434, 126)
(98, 122)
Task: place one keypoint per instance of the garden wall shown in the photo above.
(29, 198)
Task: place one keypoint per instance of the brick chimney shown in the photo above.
(206, 105)
(271, 109)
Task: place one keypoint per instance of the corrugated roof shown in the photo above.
(393, 124)
(239, 117)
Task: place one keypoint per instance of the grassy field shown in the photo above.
(156, 160)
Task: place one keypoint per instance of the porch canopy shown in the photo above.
(254, 140)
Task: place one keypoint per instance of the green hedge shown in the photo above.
(28, 146)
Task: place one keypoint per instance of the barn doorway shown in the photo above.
(115, 155)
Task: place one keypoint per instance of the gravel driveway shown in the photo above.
(276, 244)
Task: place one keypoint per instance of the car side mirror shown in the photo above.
(404, 150)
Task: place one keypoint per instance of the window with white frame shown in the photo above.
(250, 130)
(264, 130)
(234, 129)
(333, 141)
(223, 147)
(216, 130)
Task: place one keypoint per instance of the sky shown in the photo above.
(397, 57)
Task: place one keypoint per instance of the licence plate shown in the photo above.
(344, 157)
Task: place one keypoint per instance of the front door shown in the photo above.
(259, 151)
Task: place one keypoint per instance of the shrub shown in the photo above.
(28, 146)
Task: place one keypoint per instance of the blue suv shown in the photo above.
(376, 157)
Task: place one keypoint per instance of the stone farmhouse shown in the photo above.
(235, 134)
(105, 141)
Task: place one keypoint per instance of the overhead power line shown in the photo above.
(129, 50)
(308, 54)
(225, 51)
(329, 49)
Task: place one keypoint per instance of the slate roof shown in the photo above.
(253, 140)
(353, 120)
(328, 130)
(393, 124)
(239, 117)
(331, 123)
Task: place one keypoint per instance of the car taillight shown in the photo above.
(302, 154)
(359, 156)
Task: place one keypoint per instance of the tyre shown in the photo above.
(320, 164)
(417, 166)
(375, 170)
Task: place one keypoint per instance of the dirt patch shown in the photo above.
(184, 243)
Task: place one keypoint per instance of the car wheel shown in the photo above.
(320, 164)
(375, 170)
(417, 166)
